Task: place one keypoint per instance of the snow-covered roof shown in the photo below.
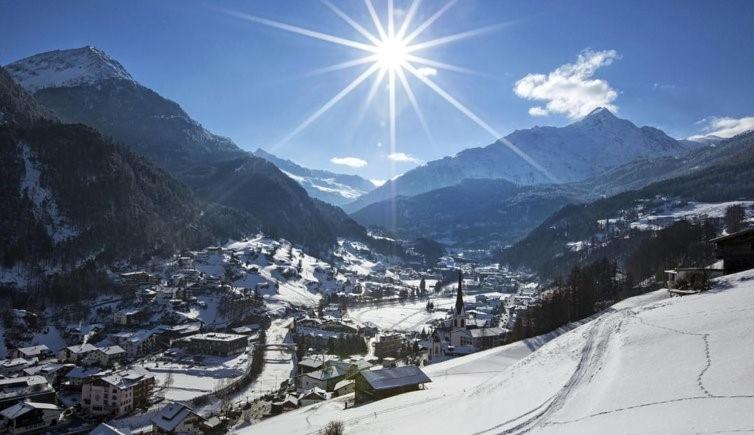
(384, 379)
(169, 417)
(22, 408)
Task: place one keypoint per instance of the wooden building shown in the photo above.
(379, 384)
(736, 250)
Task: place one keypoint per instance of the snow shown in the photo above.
(45, 208)
(670, 213)
(66, 68)
(647, 364)
(406, 316)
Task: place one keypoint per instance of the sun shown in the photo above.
(392, 54)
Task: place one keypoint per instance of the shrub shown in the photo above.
(333, 428)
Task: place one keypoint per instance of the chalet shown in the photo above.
(177, 418)
(53, 372)
(314, 395)
(25, 417)
(379, 384)
(289, 403)
(344, 387)
(389, 345)
(331, 373)
(736, 250)
(76, 353)
(78, 376)
(308, 365)
(138, 278)
(8, 367)
(40, 351)
(25, 388)
(214, 343)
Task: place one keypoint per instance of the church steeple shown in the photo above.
(459, 295)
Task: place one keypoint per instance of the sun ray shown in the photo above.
(441, 65)
(358, 27)
(415, 104)
(339, 96)
(391, 91)
(365, 105)
(452, 38)
(302, 31)
(341, 65)
(376, 20)
(472, 116)
(408, 18)
(423, 26)
(390, 19)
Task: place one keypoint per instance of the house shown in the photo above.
(138, 278)
(10, 366)
(289, 403)
(485, 338)
(309, 397)
(331, 373)
(176, 418)
(135, 343)
(379, 384)
(40, 351)
(308, 365)
(117, 394)
(106, 429)
(25, 417)
(344, 387)
(105, 356)
(214, 343)
(53, 372)
(78, 376)
(736, 250)
(74, 354)
(683, 278)
(26, 388)
(389, 345)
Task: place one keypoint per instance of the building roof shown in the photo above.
(34, 350)
(22, 408)
(82, 348)
(343, 383)
(106, 429)
(171, 416)
(385, 379)
(486, 332)
(742, 233)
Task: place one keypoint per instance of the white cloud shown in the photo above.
(538, 111)
(426, 71)
(570, 89)
(353, 162)
(403, 157)
(377, 182)
(724, 127)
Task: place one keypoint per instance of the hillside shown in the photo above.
(583, 149)
(647, 364)
(478, 213)
(549, 249)
(85, 85)
(333, 188)
(69, 196)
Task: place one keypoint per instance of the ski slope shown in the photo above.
(648, 364)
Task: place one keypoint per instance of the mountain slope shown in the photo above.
(336, 189)
(478, 213)
(572, 153)
(647, 364)
(69, 196)
(546, 249)
(85, 85)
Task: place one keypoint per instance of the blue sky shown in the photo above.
(683, 66)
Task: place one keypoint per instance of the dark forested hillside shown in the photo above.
(473, 213)
(546, 250)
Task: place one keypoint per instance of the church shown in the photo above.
(458, 336)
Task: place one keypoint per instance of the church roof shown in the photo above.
(459, 294)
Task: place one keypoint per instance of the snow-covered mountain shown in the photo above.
(85, 85)
(66, 68)
(585, 148)
(336, 189)
(647, 364)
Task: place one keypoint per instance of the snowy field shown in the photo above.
(191, 380)
(648, 364)
(406, 316)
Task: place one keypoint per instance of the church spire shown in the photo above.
(459, 294)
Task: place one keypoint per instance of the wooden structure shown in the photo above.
(379, 384)
(736, 250)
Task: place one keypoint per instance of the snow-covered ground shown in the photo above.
(278, 363)
(648, 364)
(660, 218)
